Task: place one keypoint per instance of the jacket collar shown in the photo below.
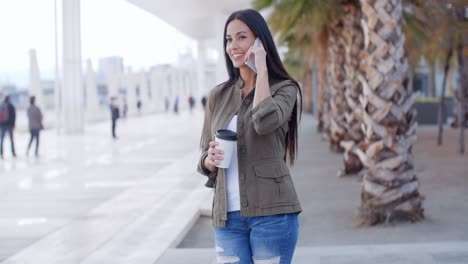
(239, 83)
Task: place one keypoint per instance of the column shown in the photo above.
(130, 84)
(112, 78)
(35, 79)
(152, 76)
(143, 83)
(201, 60)
(72, 93)
(92, 104)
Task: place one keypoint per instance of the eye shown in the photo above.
(242, 37)
(228, 40)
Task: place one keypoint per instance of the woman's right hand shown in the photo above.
(214, 156)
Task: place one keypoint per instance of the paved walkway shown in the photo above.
(89, 199)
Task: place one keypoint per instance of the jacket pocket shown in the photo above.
(274, 184)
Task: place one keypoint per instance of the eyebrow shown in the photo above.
(227, 35)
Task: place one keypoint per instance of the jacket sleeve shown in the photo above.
(206, 137)
(272, 112)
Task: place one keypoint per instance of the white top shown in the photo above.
(232, 175)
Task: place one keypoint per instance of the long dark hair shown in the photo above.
(276, 70)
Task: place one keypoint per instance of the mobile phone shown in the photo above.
(251, 61)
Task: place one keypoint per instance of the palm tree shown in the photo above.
(336, 82)
(298, 23)
(462, 57)
(390, 185)
(436, 28)
(439, 40)
(303, 26)
(354, 40)
(299, 60)
(344, 48)
(429, 30)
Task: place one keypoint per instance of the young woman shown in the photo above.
(255, 207)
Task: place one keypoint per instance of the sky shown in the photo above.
(108, 28)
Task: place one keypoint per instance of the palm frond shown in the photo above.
(262, 4)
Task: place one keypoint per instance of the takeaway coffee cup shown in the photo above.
(227, 140)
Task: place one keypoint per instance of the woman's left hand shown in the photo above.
(260, 55)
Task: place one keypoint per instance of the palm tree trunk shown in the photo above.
(432, 85)
(315, 89)
(307, 91)
(411, 72)
(462, 54)
(462, 95)
(322, 91)
(442, 96)
(354, 40)
(390, 186)
(450, 92)
(336, 79)
(323, 116)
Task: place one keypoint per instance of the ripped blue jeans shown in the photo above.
(258, 240)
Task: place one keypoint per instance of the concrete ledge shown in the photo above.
(207, 205)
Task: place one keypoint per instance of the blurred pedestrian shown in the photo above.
(203, 102)
(139, 106)
(115, 114)
(166, 104)
(35, 124)
(191, 102)
(124, 109)
(7, 124)
(176, 105)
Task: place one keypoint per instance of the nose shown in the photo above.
(234, 45)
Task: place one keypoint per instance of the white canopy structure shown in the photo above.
(199, 19)
(202, 20)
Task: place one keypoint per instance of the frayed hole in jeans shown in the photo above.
(219, 249)
(228, 259)
(274, 260)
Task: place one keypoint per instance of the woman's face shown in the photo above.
(239, 38)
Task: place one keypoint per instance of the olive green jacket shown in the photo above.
(265, 183)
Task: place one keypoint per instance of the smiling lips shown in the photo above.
(237, 56)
